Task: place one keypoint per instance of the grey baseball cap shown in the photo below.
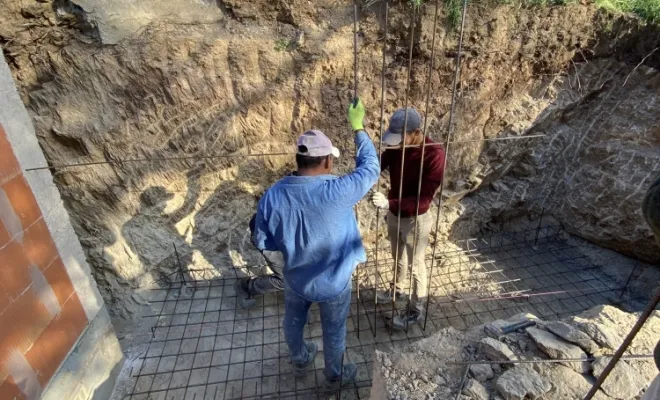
(392, 135)
(314, 143)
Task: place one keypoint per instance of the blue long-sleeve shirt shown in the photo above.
(310, 219)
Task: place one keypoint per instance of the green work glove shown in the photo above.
(356, 114)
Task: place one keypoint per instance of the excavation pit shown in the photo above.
(202, 346)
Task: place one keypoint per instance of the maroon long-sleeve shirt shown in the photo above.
(434, 160)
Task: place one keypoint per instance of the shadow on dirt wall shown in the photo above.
(141, 175)
(150, 228)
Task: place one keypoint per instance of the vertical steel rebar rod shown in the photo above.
(355, 96)
(403, 155)
(452, 110)
(355, 57)
(178, 260)
(632, 272)
(538, 228)
(626, 343)
(380, 154)
(421, 166)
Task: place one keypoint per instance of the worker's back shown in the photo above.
(319, 237)
(310, 219)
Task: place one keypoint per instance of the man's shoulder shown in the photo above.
(435, 149)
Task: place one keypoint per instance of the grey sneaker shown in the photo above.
(300, 370)
(243, 296)
(385, 297)
(405, 319)
(332, 386)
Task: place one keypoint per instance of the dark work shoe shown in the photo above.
(300, 370)
(386, 296)
(405, 319)
(332, 386)
(243, 296)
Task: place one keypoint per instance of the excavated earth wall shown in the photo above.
(106, 81)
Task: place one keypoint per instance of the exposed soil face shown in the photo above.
(246, 78)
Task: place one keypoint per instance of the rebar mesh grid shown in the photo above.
(204, 346)
(495, 277)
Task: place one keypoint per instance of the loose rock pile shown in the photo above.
(427, 369)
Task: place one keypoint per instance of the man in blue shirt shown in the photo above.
(309, 218)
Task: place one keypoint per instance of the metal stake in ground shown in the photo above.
(403, 155)
(626, 343)
(380, 155)
(421, 162)
(355, 100)
(538, 228)
(452, 110)
(178, 260)
(355, 57)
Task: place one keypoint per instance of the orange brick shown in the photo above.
(59, 280)
(9, 390)
(50, 349)
(22, 323)
(9, 167)
(38, 245)
(21, 198)
(4, 235)
(5, 301)
(14, 269)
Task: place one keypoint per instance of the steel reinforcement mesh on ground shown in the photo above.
(205, 347)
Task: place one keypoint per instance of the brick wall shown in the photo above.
(41, 316)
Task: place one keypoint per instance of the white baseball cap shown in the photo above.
(314, 143)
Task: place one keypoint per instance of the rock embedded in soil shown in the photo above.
(573, 335)
(475, 390)
(602, 334)
(481, 372)
(521, 383)
(497, 368)
(558, 349)
(623, 382)
(569, 385)
(496, 350)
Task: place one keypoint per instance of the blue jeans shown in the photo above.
(333, 321)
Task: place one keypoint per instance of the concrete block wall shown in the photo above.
(56, 338)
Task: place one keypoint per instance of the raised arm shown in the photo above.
(349, 189)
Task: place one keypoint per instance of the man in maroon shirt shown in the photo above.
(402, 236)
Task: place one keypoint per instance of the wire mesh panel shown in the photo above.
(204, 346)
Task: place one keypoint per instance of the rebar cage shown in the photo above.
(203, 346)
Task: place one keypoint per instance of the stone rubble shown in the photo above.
(426, 369)
(522, 382)
(573, 335)
(568, 383)
(475, 390)
(481, 372)
(624, 382)
(601, 334)
(495, 350)
(557, 349)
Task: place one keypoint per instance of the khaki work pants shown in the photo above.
(405, 257)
